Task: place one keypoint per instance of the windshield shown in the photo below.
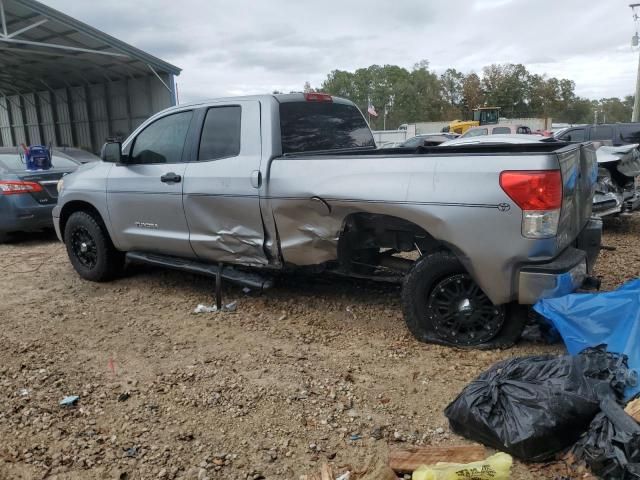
(15, 161)
(317, 126)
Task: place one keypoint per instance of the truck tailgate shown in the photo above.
(579, 169)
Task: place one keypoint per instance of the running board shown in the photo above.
(246, 279)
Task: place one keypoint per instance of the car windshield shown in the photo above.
(16, 162)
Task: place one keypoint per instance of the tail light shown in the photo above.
(318, 97)
(17, 187)
(539, 196)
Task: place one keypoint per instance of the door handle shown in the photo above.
(256, 179)
(170, 178)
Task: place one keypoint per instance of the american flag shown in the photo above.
(371, 109)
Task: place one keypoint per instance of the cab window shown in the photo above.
(601, 132)
(162, 141)
(220, 133)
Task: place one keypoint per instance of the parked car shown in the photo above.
(499, 129)
(294, 182)
(428, 140)
(28, 197)
(612, 133)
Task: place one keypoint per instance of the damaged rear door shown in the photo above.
(221, 187)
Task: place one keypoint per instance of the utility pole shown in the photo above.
(635, 116)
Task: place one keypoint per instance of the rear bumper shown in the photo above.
(566, 273)
(23, 215)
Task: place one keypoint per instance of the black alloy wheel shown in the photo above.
(84, 247)
(460, 312)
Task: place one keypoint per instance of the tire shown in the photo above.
(443, 304)
(90, 249)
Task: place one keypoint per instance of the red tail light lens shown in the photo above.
(318, 97)
(533, 190)
(18, 187)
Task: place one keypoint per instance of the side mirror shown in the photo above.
(112, 152)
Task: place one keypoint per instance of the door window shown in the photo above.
(524, 130)
(220, 133)
(501, 130)
(575, 135)
(602, 132)
(162, 141)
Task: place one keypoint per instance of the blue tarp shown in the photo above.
(590, 319)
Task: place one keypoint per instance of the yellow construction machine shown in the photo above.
(481, 116)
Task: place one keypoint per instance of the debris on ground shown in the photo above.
(209, 384)
(611, 446)
(230, 307)
(69, 401)
(407, 460)
(496, 467)
(533, 407)
(590, 319)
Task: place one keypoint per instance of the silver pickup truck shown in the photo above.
(247, 187)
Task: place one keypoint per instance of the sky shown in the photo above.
(238, 47)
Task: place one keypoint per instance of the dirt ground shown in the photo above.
(314, 369)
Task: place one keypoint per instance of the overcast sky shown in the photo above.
(235, 47)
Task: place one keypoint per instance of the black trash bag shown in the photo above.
(534, 407)
(611, 447)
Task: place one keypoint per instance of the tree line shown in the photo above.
(420, 95)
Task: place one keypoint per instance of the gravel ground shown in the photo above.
(316, 369)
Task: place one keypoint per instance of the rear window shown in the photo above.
(499, 130)
(317, 126)
(14, 161)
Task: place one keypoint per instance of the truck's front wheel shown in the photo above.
(90, 249)
(443, 304)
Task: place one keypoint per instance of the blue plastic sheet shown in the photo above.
(590, 319)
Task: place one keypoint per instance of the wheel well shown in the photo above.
(367, 233)
(78, 206)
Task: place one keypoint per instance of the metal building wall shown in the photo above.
(83, 116)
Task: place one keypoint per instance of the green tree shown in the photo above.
(472, 94)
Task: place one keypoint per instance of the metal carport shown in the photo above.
(62, 82)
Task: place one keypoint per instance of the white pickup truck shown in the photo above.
(255, 185)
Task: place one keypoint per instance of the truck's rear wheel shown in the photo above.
(90, 249)
(443, 304)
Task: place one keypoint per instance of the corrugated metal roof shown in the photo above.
(42, 48)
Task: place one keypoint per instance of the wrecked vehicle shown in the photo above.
(618, 185)
(290, 182)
